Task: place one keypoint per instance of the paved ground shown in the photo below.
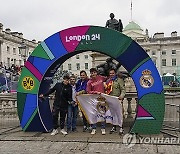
(15, 141)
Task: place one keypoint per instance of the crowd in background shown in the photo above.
(9, 78)
(14, 69)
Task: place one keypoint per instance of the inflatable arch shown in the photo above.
(35, 115)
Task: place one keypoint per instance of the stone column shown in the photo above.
(129, 109)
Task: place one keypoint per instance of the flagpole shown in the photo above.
(131, 10)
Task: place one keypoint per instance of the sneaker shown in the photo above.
(54, 132)
(85, 128)
(103, 131)
(113, 130)
(93, 131)
(74, 130)
(89, 128)
(69, 130)
(121, 131)
(63, 132)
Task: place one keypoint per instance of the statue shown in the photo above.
(103, 69)
(147, 33)
(120, 28)
(114, 24)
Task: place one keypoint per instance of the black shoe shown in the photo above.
(68, 130)
(74, 130)
(85, 128)
(90, 129)
(121, 131)
(113, 130)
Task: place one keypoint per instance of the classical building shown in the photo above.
(75, 64)
(14, 48)
(163, 50)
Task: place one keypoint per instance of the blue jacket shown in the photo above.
(81, 85)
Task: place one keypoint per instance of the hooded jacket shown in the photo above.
(63, 94)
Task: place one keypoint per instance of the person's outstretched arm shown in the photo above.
(49, 92)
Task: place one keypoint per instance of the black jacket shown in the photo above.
(63, 94)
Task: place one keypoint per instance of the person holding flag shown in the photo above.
(96, 86)
(81, 89)
(115, 86)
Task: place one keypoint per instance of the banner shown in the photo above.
(98, 108)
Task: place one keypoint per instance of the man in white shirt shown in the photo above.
(72, 107)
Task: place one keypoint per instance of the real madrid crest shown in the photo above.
(102, 105)
(146, 80)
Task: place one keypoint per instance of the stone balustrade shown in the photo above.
(172, 90)
(8, 106)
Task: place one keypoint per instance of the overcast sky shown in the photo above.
(38, 19)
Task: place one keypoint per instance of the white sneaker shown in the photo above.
(103, 131)
(54, 132)
(63, 132)
(93, 131)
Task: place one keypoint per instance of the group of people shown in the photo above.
(14, 69)
(9, 78)
(66, 104)
(173, 84)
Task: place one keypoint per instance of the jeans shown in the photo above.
(102, 125)
(72, 117)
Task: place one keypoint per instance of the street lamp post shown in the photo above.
(23, 50)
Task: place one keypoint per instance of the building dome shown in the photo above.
(132, 26)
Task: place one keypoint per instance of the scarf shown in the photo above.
(109, 84)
